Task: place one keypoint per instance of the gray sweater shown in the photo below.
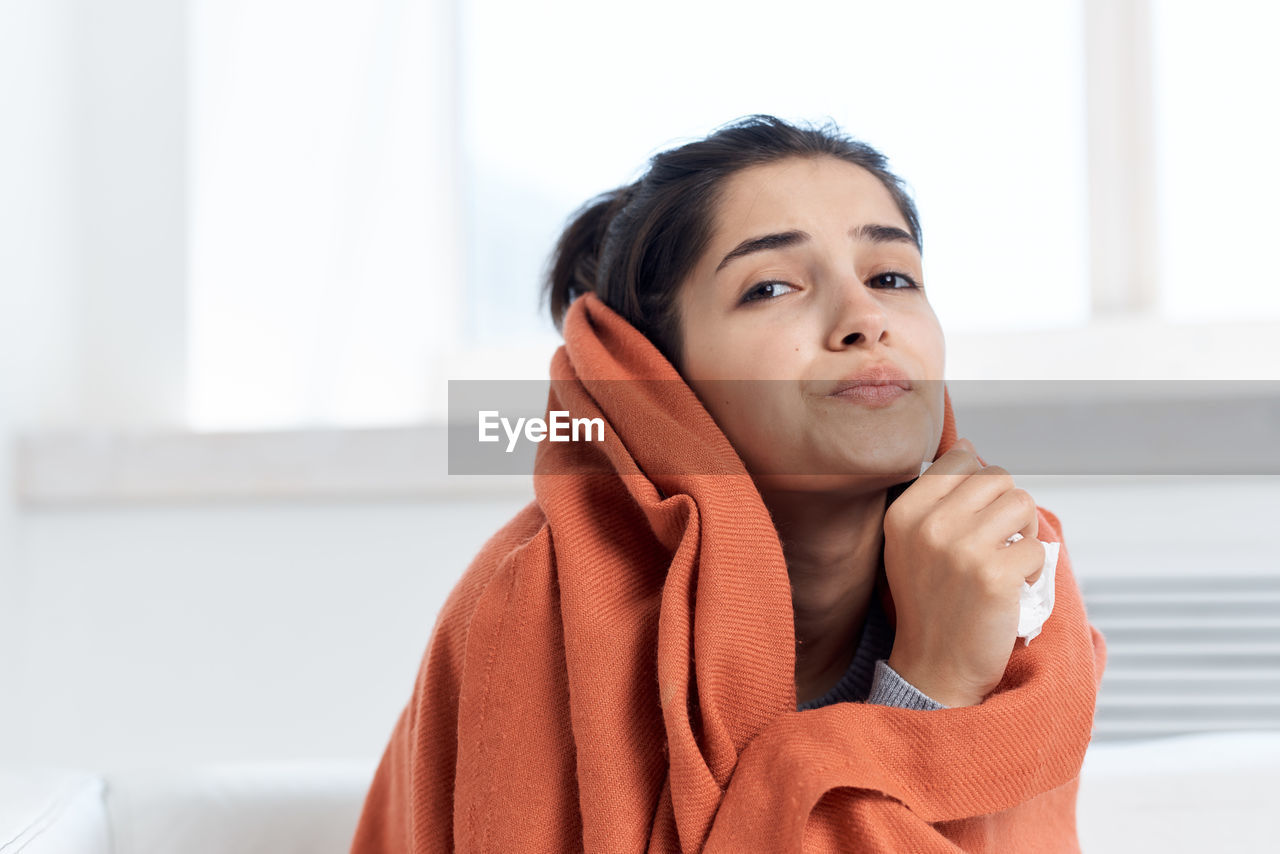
(869, 678)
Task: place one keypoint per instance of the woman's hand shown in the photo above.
(955, 582)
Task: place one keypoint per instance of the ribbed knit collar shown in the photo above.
(876, 643)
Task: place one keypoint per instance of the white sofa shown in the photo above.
(276, 808)
(1180, 794)
(1207, 792)
(46, 810)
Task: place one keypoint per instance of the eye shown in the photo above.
(765, 291)
(887, 281)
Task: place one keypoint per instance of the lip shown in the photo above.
(871, 395)
(878, 374)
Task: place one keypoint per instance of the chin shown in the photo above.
(822, 461)
(898, 455)
(835, 484)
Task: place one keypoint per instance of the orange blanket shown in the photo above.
(615, 671)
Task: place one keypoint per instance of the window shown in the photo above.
(377, 186)
(988, 127)
(323, 269)
(1217, 171)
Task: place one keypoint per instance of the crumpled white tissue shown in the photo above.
(1035, 600)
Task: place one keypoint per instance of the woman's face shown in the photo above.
(786, 322)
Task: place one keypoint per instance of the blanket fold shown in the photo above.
(615, 670)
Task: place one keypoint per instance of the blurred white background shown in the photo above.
(245, 245)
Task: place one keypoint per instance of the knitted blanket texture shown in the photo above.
(615, 670)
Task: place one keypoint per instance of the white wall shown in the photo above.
(156, 635)
(91, 153)
(130, 167)
(288, 630)
(37, 266)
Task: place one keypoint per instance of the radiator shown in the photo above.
(1186, 654)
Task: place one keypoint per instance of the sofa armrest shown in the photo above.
(1187, 793)
(49, 811)
(252, 808)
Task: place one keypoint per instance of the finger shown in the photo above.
(1024, 560)
(1011, 515)
(961, 449)
(980, 490)
(946, 473)
(1035, 558)
(968, 446)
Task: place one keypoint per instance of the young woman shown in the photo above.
(743, 621)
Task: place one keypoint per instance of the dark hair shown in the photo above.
(634, 245)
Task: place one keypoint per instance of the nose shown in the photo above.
(857, 317)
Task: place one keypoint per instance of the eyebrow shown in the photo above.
(870, 232)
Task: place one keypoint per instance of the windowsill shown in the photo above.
(68, 468)
(1120, 347)
(402, 463)
(1036, 441)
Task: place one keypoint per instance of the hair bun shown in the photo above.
(575, 263)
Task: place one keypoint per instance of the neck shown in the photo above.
(833, 548)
